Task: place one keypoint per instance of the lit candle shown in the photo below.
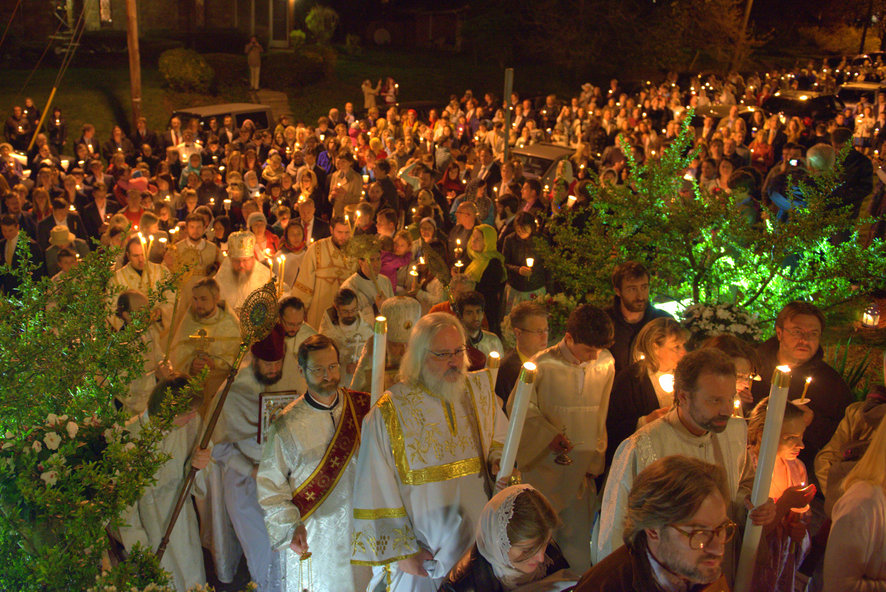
(570, 201)
(72, 208)
(530, 262)
(518, 417)
(666, 381)
(227, 204)
(365, 179)
(379, 347)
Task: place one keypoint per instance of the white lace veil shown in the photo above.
(493, 542)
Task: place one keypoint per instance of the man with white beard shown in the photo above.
(344, 324)
(427, 452)
(239, 276)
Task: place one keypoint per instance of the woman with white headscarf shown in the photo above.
(515, 550)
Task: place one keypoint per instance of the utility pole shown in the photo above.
(509, 110)
(135, 68)
(742, 36)
(867, 24)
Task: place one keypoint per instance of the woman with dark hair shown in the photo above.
(526, 271)
(644, 391)
(221, 229)
(514, 548)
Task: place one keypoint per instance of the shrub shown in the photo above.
(321, 22)
(186, 70)
(352, 45)
(281, 71)
(297, 38)
(230, 69)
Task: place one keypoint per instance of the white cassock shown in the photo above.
(350, 340)
(367, 291)
(146, 520)
(664, 437)
(572, 398)
(233, 290)
(292, 379)
(296, 446)
(141, 388)
(201, 255)
(488, 343)
(323, 269)
(421, 479)
(237, 453)
(145, 282)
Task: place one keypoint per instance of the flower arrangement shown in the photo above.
(707, 320)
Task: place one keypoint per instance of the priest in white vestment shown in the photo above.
(347, 327)
(367, 283)
(700, 426)
(295, 331)
(240, 274)
(146, 521)
(427, 451)
(323, 269)
(129, 304)
(143, 276)
(237, 452)
(567, 415)
(306, 476)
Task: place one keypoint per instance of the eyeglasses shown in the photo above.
(798, 333)
(323, 371)
(699, 539)
(446, 356)
(544, 331)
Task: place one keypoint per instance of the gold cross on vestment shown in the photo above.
(201, 340)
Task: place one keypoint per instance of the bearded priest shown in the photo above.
(238, 275)
(427, 452)
(306, 476)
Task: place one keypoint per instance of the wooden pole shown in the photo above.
(739, 45)
(509, 109)
(135, 71)
(867, 24)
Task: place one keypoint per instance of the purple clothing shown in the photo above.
(390, 263)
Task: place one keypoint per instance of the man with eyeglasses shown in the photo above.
(237, 453)
(529, 321)
(699, 426)
(797, 343)
(306, 476)
(562, 449)
(428, 449)
(676, 532)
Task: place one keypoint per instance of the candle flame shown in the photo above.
(808, 379)
(666, 381)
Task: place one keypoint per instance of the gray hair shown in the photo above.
(419, 343)
(821, 158)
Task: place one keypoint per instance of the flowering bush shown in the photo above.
(559, 307)
(707, 320)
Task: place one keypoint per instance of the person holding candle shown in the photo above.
(639, 396)
(786, 539)
(567, 414)
(371, 287)
(487, 270)
(470, 307)
(797, 343)
(265, 241)
(525, 267)
(529, 322)
(699, 426)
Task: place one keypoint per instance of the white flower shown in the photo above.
(52, 440)
(708, 313)
(62, 418)
(72, 428)
(128, 446)
(37, 446)
(50, 477)
(51, 419)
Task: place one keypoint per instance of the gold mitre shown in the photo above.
(241, 244)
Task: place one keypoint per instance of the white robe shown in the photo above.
(367, 291)
(233, 292)
(421, 479)
(323, 269)
(237, 453)
(856, 554)
(141, 388)
(489, 342)
(292, 379)
(145, 282)
(571, 398)
(350, 340)
(146, 520)
(296, 446)
(664, 437)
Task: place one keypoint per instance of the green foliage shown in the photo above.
(705, 248)
(853, 374)
(297, 38)
(186, 70)
(140, 571)
(68, 467)
(230, 70)
(322, 22)
(285, 71)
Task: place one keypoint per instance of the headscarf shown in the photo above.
(493, 542)
(480, 259)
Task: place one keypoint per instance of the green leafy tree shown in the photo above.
(705, 248)
(68, 467)
(322, 22)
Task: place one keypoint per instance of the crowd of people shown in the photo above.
(637, 457)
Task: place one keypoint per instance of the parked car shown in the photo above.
(852, 92)
(804, 103)
(540, 160)
(260, 115)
